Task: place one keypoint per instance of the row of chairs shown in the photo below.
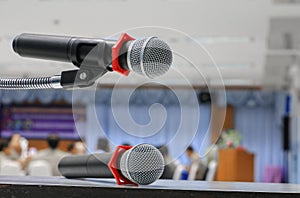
(35, 168)
(210, 176)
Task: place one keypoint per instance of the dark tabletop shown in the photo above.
(60, 187)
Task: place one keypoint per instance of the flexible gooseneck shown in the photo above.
(31, 83)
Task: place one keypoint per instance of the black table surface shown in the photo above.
(11, 186)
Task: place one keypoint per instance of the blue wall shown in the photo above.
(261, 136)
(257, 117)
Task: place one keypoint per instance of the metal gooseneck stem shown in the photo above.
(31, 83)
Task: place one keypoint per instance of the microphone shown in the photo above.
(142, 164)
(150, 57)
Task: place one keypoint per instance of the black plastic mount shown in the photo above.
(91, 56)
(93, 59)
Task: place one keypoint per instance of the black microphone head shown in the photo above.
(149, 57)
(142, 164)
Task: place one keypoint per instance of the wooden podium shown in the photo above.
(235, 165)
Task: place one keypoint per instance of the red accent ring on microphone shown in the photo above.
(112, 165)
(115, 54)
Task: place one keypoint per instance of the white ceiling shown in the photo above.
(236, 33)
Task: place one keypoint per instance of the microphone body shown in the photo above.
(66, 49)
(94, 165)
(141, 164)
(150, 57)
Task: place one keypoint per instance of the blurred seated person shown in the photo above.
(102, 146)
(77, 148)
(212, 154)
(52, 154)
(15, 146)
(4, 151)
(197, 169)
(18, 146)
(11, 151)
(71, 149)
(170, 163)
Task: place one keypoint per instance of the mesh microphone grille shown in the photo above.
(142, 164)
(151, 57)
(135, 56)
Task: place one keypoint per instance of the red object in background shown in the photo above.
(241, 148)
(229, 144)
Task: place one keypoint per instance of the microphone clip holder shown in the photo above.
(91, 67)
(83, 77)
(94, 66)
(112, 165)
(115, 52)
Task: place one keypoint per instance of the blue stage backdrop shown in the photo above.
(258, 116)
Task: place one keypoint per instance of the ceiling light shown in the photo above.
(224, 39)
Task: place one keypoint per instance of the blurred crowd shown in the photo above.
(196, 168)
(17, 159)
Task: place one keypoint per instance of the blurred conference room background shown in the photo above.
(255, 45)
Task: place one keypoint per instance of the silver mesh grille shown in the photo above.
(135, 56)
(142, 164)
(151, 57)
